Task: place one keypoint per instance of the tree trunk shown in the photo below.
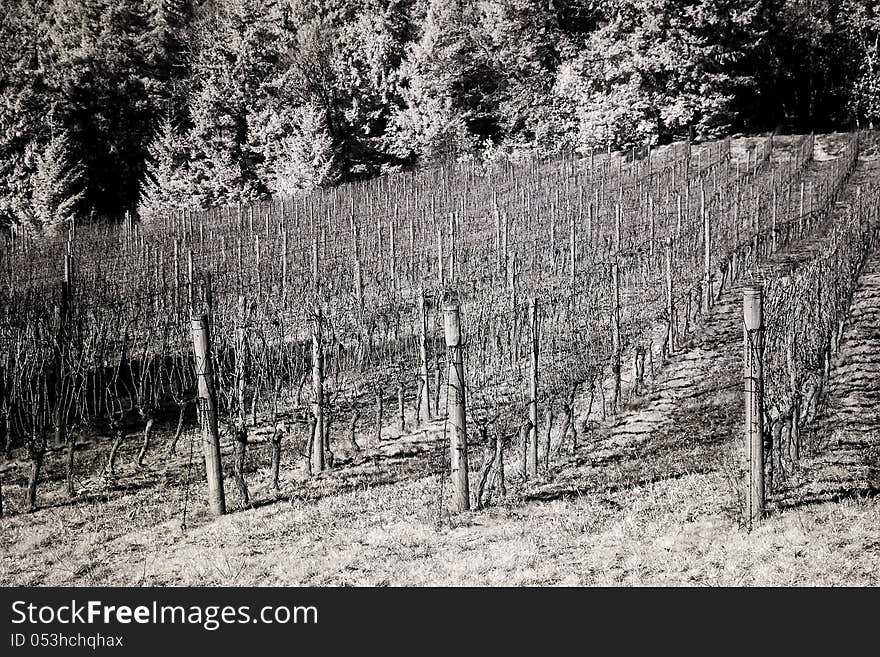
(639, 367)
(148, 429)
(276, 454)
(524, 430)
(36, 463)
(172, 448)
(548, 424)
(488, 462)
(775, 452)
(566, 425)
(238, 462)
(352, 428)
(312, 424)
(328, 453)
(7, 447)
(110, 468)
(71, 448)
(379, 410)
(498, 472)
(400, 407)
(255, 400)
(437, 377)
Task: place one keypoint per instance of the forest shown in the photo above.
(138, 107)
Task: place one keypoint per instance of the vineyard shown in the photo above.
(466, 359)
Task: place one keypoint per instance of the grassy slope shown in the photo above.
(646, 500)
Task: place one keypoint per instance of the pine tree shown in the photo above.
(238, 55)
(25, 104)
(57, 187)
(298, 151)
(859, 24)
(435, 89)
(165, 187)
(654, 68)
(527, 42)
(366, 55)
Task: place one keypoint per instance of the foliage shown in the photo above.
(383, 83)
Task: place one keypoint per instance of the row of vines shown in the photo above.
(326, 309)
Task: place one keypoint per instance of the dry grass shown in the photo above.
(383, 531)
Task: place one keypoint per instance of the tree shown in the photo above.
(165, 186)
(442, 87)
(860, 25)
(298, 151)
(366, 56)
(237, 56)
(24, 106)
(528, 41)
(655, 68)
(57, 187)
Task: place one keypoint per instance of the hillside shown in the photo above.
(647, 493)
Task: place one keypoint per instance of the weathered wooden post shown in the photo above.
(754, 437)
(800, 219)
(773, 238)
(393, 255)
(572, 245)
(284, 262)
(455, 391)
(532, 457)
(208, 413)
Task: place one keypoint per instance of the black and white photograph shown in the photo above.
(435, 294)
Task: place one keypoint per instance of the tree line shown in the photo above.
(110, 107)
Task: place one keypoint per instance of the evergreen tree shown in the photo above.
(298, 152)
(237, 57)
(25, 105)
(165, 187)
(528, 41)
(656, 68)
(57, 187)
(367, 54)
(441, 90)
(859, 23)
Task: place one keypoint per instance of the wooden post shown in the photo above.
(457, 420)
(208, 414)
(800, 219)
(773, 238)
(393, 248)
(533, 389)
(754, 438)
(317, 446)
(257, 265)
(316, 270)
(425, 391)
